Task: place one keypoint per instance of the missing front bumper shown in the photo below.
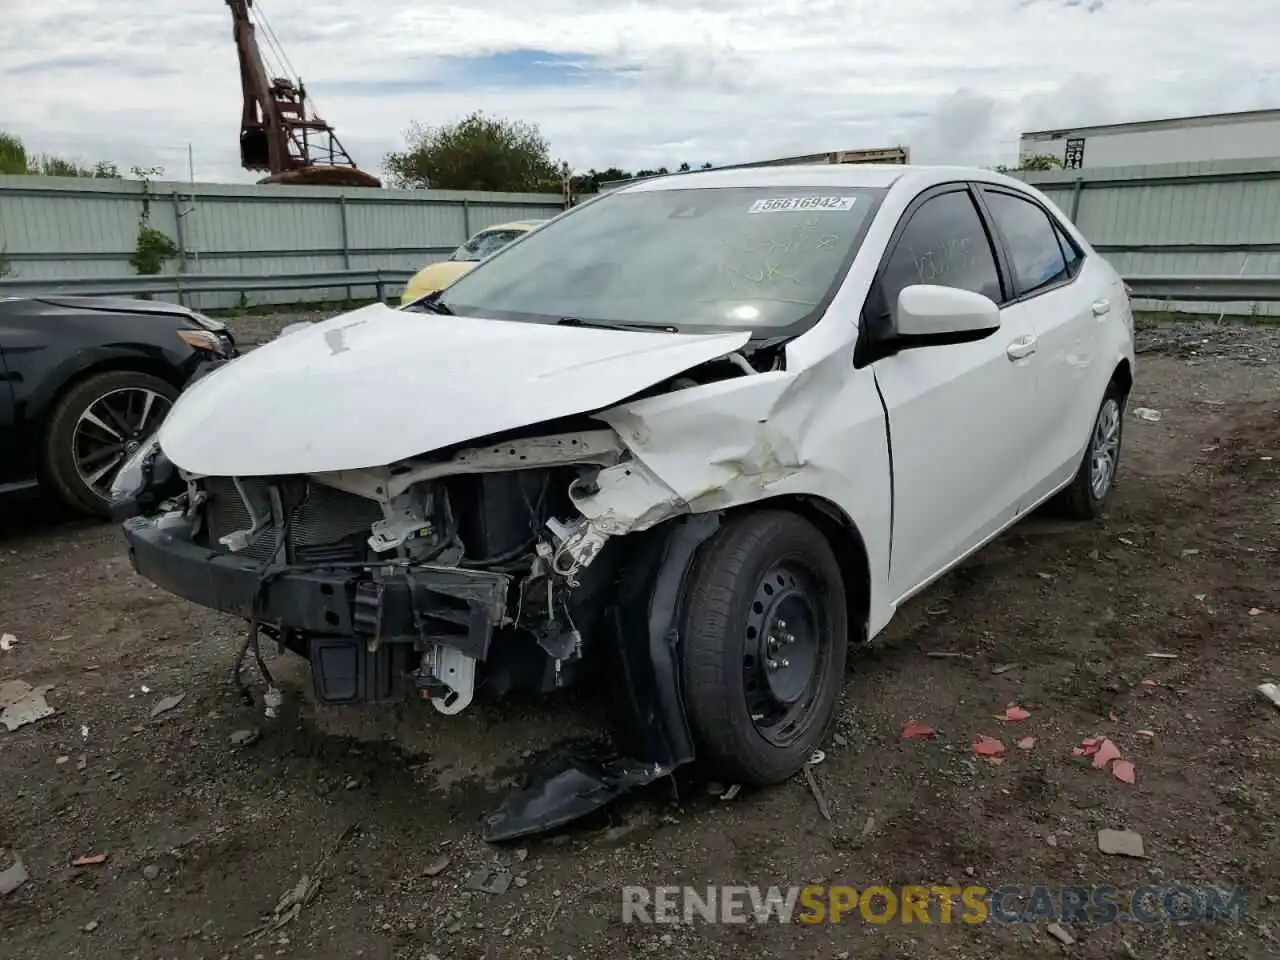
(422, 604)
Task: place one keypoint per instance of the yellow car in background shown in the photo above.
(437, 276)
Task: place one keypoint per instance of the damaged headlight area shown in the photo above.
(444, 578)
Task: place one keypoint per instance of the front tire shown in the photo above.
(1088, 492)
(94, 428)
(765, 637)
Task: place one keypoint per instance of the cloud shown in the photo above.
(634, 82)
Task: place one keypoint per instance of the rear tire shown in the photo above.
(765, 637)
(94, 427)
(1094, 481)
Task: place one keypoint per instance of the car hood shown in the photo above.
(437, 276)
(377, 385)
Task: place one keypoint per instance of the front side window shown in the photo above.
(484, 244)
(944, 243)
(758, 258)
(1031, 240)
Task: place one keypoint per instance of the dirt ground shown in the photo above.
(203, 836)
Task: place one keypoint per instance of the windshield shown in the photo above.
(485, 243)
(760, 258)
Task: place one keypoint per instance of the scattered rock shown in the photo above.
(437, 866)
(23, 704)
(89, 860)
(242, 738)
(1059, 933)
(488, 880)
(1001, 668)
(91, 926)
(151, 871)
(167, 704)
(13, 876)
(1122, 843)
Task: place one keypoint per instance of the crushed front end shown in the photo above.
(459, 576)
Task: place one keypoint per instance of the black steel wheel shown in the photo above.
(95, 428)
(765, 638)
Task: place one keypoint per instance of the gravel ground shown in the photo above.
(203, 834)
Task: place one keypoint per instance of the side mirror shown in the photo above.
(926, 310)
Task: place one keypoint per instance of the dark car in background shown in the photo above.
(85, 380)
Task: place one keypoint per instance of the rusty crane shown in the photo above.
(276, 134)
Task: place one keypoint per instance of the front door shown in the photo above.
(960, 415)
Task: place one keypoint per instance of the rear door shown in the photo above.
(1060, 296)
(960, 414)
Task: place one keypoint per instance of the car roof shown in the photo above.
(834, 175)
(513, 225)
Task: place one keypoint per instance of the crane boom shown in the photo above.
(276, 134)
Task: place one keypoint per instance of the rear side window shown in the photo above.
(1070, 252)
(944, 243)
(1033, 242)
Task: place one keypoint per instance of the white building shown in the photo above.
(1222, 136)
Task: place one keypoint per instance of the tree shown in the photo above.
(14, 159)
(476, 153)
(1033, 161)
(13, 155)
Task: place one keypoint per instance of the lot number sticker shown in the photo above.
(786, 204)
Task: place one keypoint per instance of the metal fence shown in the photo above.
(1179, 228)
(54, 229)
(1180, 220)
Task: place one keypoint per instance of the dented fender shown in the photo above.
(819, 432)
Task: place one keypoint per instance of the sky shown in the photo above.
(632, 83)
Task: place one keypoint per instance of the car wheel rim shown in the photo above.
(783, 654)
(1105, 449)
(110, 430)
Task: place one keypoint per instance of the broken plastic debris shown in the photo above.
(1106, 752)
(1255, 611)
(816, 758)
(1146, 413)
(89, 860)
(1146, 733)
(1014, 714)
(272, 701)
(1123, 843)
(1163, 656)
(7, 641)
(985, 746)
(732, 792)
(145, 688)
(915, 730)
(1003, 668)
(1271, 692)
(1027, 743)
(13, 876)
(1123, 771)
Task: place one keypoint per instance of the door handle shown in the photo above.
(1101, 307)
(1021, 348)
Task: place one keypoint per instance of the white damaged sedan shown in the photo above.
(687, 442)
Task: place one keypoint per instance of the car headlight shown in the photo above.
(206, 341)
(133, 476)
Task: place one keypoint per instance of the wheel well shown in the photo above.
(847, 545)
(1123, 377)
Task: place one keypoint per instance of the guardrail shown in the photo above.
(192, 283)
(1213, 289)
(1218, 289)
